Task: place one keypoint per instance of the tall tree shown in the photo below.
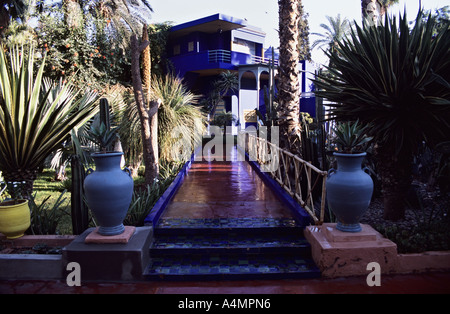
(227, 81)
(125, 13)
(334, 32)
(145, 114)
(146, 78)
(303, 36)
(288, 80)
(73, 14)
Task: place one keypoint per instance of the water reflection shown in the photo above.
(224, 187)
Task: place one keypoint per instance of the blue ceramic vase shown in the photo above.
(108, 192)
(349, 191)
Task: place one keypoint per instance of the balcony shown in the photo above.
(215, 59)
(236, 58)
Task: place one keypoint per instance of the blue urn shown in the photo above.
(349, 191)
(108, 192)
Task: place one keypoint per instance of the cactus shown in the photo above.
(79, 210)
(103, 135)
(104, 113)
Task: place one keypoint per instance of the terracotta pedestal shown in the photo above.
(95, 237)
(340, 254)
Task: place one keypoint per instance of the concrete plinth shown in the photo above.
(110, 261)
(339, 254)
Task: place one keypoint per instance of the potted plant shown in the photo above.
(36, 116)
(349, 187)
(395, 77)
(109, 189)
(14, 212)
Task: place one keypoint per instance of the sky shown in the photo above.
(264, 13)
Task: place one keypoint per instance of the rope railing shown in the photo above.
(301, 179)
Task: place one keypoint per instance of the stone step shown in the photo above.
(231, 243)
(217, 226)
(229, 249)
(230, 267)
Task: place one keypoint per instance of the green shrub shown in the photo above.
(44, 217)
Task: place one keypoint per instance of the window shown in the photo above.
(191, 46)
(244, 46)
(176, 50)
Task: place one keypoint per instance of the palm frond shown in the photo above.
(177, 112)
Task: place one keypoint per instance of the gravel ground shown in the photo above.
(426, 225)
(374, 216)
(433, 206)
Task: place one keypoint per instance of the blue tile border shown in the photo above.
(164, 200)
(299, 212)
(220, 267)
(223, 226)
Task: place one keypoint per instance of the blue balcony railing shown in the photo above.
(211, 59)
(236, 58)
(215, 56)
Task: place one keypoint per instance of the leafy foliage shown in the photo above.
(394, 79)
(158, 37)
(102, 136)
(144, 200)
(223, 119)
(45, 218)
(177, 116)
(303, 36)
(335, 31)
(70, 50)
(34, 118)
(351, 137)
(442, 16)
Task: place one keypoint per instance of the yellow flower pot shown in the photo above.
(14, 219)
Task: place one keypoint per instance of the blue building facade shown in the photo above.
(202, 49)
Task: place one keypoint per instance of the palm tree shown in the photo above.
(288, 80)
(228, 81)
(177, 112)
(146, 73)
(335, 31)
(303, 40)
(126, 16)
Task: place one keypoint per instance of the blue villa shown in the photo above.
(202, 49)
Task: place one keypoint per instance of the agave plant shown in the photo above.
(101, 136)
(397, 80)
(34, 119)
(351, 137)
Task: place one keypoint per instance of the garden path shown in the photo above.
(225, 189)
